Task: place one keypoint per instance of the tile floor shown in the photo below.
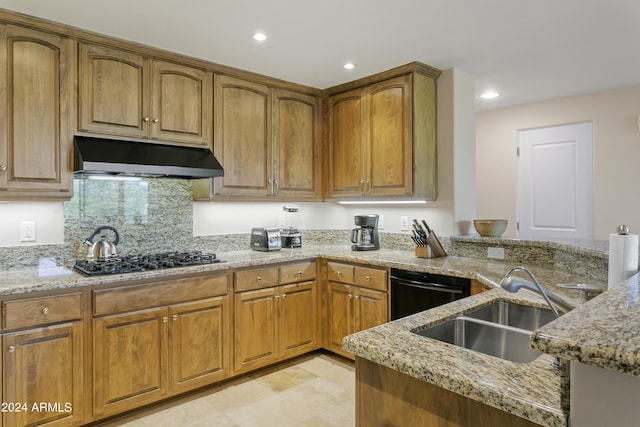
(316, 390)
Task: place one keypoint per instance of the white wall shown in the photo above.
(48, 216)
(614, 115)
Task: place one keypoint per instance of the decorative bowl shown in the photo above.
(490, 227)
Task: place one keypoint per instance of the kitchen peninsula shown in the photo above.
(536, 392)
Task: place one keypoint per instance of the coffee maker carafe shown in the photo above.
(365, 237)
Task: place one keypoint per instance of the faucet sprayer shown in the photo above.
(511, 283)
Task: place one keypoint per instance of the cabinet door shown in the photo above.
(242, 137)
(198, 343)
(113, 92)
(371, 309)
(347, 151)
(130, 360)
(295, 145)
(35, 98)
(181, 104)
(256, 329)
(44, 367)
(297, 318)
(389, 159)
(340, 315)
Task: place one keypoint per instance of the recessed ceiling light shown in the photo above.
(349, 66)
(260, 37)
(489, 95)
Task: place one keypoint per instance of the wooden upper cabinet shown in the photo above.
(347, 149)
(181, 104)
(35, 99)
(267, 141)
(113, 92)
(242, 140)
(389, 158)
(129, 95)
(296, 169)
(382, 140)
(370, 152)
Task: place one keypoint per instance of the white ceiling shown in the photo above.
(526, 50)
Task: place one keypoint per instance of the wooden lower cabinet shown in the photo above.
(130, 360)
(297, 319)
(386, 398)
(352, 309)
(255, 329)
(143, 356)
(274, 323)
(198, 343)
(43, 376)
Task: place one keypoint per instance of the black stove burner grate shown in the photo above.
(140, 262)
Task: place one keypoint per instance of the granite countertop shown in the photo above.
(601, 333)
(50, 275)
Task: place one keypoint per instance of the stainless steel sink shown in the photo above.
(513, 314)
(489, 338)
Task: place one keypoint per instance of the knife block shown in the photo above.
(424, 252)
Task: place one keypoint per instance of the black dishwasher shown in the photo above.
(414, 291)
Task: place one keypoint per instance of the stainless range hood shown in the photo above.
(112, 157)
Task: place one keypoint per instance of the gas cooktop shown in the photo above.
(138, 262)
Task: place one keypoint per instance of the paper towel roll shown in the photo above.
(623, 257)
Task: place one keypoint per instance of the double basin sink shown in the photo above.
(501, 329)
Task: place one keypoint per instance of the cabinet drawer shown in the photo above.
(136, 297)
(247, 280)
(372, 278)
(298, 272)
(339, 272)
(39, 311)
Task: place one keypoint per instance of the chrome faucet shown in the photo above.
(512, 284)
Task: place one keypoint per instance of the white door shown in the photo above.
(555, 184)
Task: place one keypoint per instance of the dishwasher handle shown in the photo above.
(438, 287)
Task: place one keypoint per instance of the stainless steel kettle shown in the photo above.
(102, 249)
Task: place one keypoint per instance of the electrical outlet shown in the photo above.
(404, 223)
(381, 222)
(28, 231)
(496, 253)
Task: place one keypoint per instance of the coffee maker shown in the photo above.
(365, 238)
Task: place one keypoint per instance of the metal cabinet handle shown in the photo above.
(338, 272)
(12, 348)
(145, 119)
(259, 278)
(175, 317)
(277, 297)
(3, 168)
(357, 297)
(155, 120)
(367, 278)
(284, 296)
(299, 273)
(165, 319)
(350, 296)
(45, 310)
